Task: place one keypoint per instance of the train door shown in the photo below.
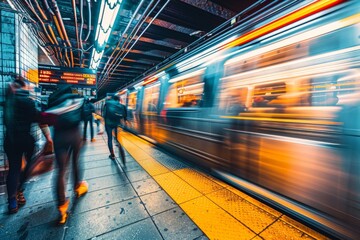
(182, 107)
(133, 107)
(150, 109)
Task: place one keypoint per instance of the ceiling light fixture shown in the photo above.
(108, 12)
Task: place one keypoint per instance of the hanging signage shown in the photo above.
(62, 75)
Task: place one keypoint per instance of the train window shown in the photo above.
(233, 101)
(132, 99)
(324, 91)
(333, 90)
(348, 84)
(151, 98)
(185, 93)
(266, 95)
(267, 58)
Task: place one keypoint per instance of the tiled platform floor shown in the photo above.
(154, 197)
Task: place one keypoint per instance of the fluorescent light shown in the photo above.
(96, 58)
(108, 12)
(46, 54)
(11, 5)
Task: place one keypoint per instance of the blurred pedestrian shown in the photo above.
(67, 111)
(88, 110)
(19, 113)
(113, 113)
(98, 124)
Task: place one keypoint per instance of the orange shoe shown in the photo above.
(93, 140)
(63, 212)
(81, 188)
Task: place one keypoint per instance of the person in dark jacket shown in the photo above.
(67, 111)
(88, 110)
(113, 113)
(19, 113)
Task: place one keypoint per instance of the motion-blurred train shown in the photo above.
(273, 106)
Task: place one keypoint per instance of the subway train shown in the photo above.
(272, 106)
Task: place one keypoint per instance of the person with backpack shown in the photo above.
(66, 111)
(88, 111)
(113, 113)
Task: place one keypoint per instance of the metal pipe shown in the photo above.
(81, 3)
(58, 49)
(81, 18)
(118, 63)
(41, 11)
(52, 39)
(59, 23)
(122, 35)
(152, 20)
(58, 52)
(48, 7)
(89, 22)
(219, 30)
(76, 29)
(58, 27)
(132, 34)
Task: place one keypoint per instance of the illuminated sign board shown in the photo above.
(61, 75)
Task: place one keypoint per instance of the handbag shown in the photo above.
(42, 162)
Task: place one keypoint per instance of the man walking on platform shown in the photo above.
(113, 113)
(67, 110)
(88, 110)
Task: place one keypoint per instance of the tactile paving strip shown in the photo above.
(178, 189)
(250, 215)
(214, 221)
(153, 167)
(283, 230)
(263, 206)
(237, 191)
(170, 163)
(303, 228)
(198, 180)
(135, 152)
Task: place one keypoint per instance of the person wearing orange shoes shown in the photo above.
(66, 110)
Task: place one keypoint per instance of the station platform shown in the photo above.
(155, 196)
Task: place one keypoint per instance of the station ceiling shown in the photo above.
(145, 34)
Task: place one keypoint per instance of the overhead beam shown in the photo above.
(173, 44)
(211, 7)
(168, 25)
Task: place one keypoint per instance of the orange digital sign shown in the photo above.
(78, 76)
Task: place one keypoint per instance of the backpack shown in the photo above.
(114, 113)
(65, 113)
(86, 110)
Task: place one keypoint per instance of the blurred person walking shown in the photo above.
(19, 113)
(88, 110)
(98, 124)
(113, 113)
(66, 109)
